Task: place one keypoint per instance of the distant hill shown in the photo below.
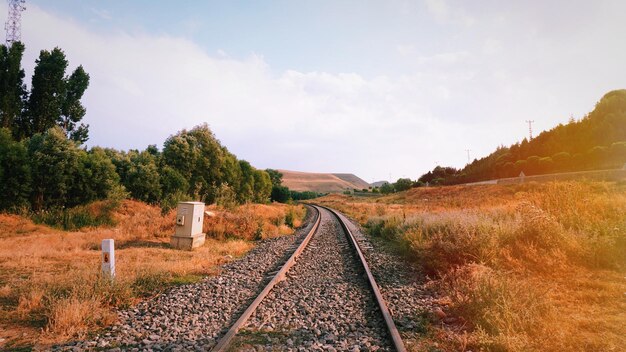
(595, 142)
(321, 182)
(378, 183)
(353, 179)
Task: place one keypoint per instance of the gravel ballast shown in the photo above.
(402, 285)
(325, 302)
(191, 317)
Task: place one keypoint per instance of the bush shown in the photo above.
(15, 176)
(402, 184)
(280, 194)
(93, 215)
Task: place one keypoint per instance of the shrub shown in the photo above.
(92, 215)
(506, 313)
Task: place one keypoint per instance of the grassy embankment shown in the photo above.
(50, 284)
(534, 267)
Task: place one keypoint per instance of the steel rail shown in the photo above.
(222, 344)
(391, 326)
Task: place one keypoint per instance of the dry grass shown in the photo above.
(534, 267)
(50, 284)
(254, 221)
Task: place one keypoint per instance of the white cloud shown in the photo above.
(454, 93)
(102, 14)
(444, 13)
(144, 88)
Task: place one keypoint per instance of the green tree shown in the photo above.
(48, 89)
(172, 181)
(386, 188)
(521, 166)
(262, 186)
(72, 111)
(245, 193)
(15, 178)
(95, 179)
(618, 153)
(12, 88)
(561, 160)
(275, 176)
(54, 163)
(546, 165)
(199, 157)
(280, 194)
(402, 184)
(55, 99)
(143, 177)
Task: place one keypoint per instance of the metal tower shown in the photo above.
(530, 128)
(13, 25)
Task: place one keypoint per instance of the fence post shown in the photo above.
(108, 258)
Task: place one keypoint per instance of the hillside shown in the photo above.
(378, 183)
(353, 179)
(321, 182)
(595, 142)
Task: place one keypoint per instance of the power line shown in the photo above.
(530, 128)
(468, 155)
(13, 25)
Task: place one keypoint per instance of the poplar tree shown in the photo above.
(13, 91)
(55, 98)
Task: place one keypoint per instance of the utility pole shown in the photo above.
(13, 25)
(530, 128)
(468, 155)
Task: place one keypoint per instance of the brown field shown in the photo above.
(320, 182)
(532, 267)
(50, 284)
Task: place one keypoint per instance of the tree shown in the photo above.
(48, 89)
(402, 184)
(95, 179)
(280, 194)
(72, 111)
(245, 193)
(143, 177)
(386, 188)
(262, 186)
(561, 160)
(55, 99)
(583, 139)
(54, 163)
(172, 181)
(15, 178)
(12, 88)
(275, 176)
(199, 157)
(618, 153)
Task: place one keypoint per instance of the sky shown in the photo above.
(381, 89)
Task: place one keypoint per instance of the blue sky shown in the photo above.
(377, 88)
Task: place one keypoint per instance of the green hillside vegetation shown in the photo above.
(597, 141)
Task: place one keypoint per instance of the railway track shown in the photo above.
(324, 292)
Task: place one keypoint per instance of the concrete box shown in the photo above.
(187, 243)
(189, 220)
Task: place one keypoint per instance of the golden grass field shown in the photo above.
(50, 284)
(532, 267)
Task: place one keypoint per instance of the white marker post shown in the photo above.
(108, 258)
